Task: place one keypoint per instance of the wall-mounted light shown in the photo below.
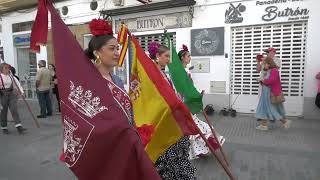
(93, 5)
(65, 10)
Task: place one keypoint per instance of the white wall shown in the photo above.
(313, 53)
(209, 13)
(80, 12)
(1, 36)
(8, 46)
(212, 14)
(8, 50)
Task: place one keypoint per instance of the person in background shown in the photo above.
(43, 85)
(317, 102)
(271, 53)
(271, 88)
(54, 84)
(10, 89)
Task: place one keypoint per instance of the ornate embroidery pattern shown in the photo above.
(121, 98)
(84, 102)
(72, 144)
(135, 89)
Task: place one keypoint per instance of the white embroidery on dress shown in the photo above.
(72, 144)
(117, 95)
(85, 103)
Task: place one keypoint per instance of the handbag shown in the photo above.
(317, 101)
(209, 109)
(54, 90)
(277, 99)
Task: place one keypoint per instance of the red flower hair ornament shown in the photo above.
(100, 27)
(184, 48)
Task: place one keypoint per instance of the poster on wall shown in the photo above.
(207, 42)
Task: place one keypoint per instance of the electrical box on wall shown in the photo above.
(217, 86)
(200, 65)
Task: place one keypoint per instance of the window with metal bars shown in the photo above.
(23, 26)
(144, 40)
(290, 41)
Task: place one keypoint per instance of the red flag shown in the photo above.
(99, 143)
(39, 31)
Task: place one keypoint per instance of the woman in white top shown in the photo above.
(9, 93)
(197, 145)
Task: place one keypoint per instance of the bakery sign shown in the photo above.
(150, 23)
(276, 9)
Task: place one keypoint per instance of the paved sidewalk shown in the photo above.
(254, 155)
(277, 154)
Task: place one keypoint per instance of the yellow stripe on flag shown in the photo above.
(123, 40)
(122, 34)
(123, 52)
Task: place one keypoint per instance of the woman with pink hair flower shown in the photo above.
(174, 163)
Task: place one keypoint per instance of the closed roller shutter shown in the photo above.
(290, 41)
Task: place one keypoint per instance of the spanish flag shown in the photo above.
(123, 40)
(155, 104)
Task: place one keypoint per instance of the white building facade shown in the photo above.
(224, 37)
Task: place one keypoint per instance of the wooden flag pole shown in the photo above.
(24, 99)
(214, 134)
(216, 138)
(224, 166)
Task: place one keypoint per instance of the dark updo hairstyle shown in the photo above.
(102, 33)
(96, 43)
(154, 48)
(183, 52)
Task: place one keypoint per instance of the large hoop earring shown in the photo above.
(97, 61)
